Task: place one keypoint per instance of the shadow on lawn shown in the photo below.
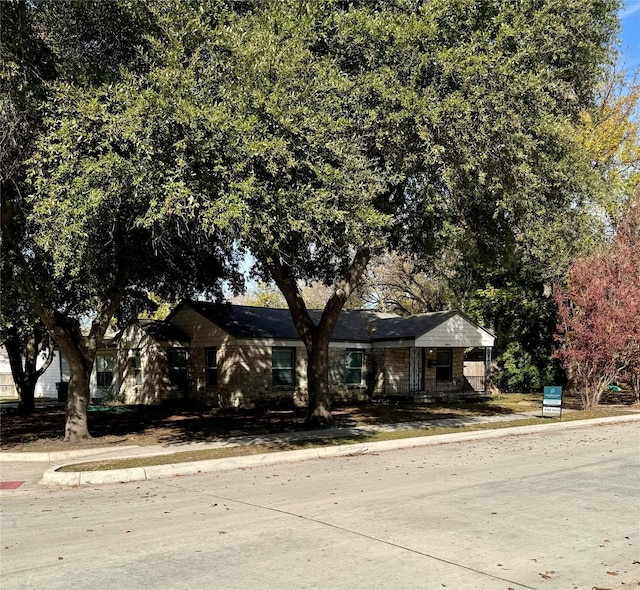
(48, 423)
(173, 425)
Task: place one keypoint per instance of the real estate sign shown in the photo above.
(552, 401)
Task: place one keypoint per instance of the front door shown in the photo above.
(415, 370)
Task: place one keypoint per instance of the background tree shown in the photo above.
(315, 296)
(511, 294)
(609, 131)
(600, 312)
(262, 295)
(523, 317)
(516, 300)
(396, 283)
(28, 344)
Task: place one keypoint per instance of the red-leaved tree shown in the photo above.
(599, 312)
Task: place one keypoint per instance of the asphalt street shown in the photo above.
(554, 510)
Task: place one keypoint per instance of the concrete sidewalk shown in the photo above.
(24, 464)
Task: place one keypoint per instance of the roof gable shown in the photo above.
(455, 331)
(408, 327)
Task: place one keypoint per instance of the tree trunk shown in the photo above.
(316, 338)
(80, 352)
(594, 385)
(27, 403)
(26, 393)
(76, 425)
(19, 362)
(318, 381)
(23, 358)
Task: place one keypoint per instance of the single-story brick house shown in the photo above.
(239, 355)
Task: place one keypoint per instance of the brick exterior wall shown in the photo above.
(245, 377)
(245, 374)
(154, 386)
(458, 362)
(396, 371)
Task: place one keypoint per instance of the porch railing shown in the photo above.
(467, 384)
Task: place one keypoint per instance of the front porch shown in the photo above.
(433, 390)
(433, 374)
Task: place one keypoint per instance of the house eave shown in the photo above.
(397, 343)
(270, 342)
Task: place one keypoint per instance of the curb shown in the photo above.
(29, 457)
(52, 477)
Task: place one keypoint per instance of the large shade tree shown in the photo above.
(344, 129)
(87, 218)
(358, 126)
(42, 42)
(316, 134)
(84, 256)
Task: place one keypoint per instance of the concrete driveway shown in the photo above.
(553, 510)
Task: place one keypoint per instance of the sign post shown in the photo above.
(552, 401)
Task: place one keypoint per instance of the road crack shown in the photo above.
(350, 532)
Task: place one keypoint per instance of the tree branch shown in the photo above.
(281, 273)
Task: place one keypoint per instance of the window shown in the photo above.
(283, 366)
(211, 366)
(136, 366)
(443, 365)
(178, 368)
(353, 364)
(104, 370)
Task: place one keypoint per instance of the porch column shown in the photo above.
(487, 366)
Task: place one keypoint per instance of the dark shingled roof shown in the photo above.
(243, 321)
(162, 331)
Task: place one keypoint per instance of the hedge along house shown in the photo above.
(238, 355)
